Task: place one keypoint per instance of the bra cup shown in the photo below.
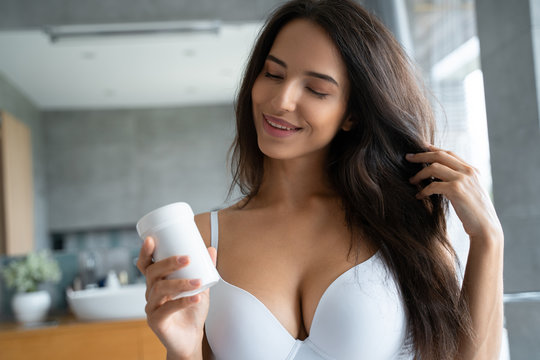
(238, 328)
(361, 316)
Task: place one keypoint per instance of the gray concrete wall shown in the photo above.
(505, 32)
(106, 169)
(12, 101)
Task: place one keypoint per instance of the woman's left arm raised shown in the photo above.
(483, 280)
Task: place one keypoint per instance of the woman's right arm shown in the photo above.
(179, 324)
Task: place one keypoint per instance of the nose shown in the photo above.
(286, 97)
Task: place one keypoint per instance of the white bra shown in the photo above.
(360, 316)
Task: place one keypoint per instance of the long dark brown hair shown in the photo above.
(366, 166)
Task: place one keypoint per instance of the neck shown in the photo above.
(293, 183)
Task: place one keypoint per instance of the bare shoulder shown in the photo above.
(203, 223)
(233, 216)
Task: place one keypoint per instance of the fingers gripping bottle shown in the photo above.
(174, 231)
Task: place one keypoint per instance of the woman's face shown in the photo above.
(300, 96)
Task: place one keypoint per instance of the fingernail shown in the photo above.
(195, 282)
(182, 260)
(194, 299)
(409, 156)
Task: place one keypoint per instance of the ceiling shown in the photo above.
(154, 70)
(161, 70)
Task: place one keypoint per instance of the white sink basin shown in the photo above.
(125, 302)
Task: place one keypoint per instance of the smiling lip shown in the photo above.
(278, 127)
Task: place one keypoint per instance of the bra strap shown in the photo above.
(214, 226)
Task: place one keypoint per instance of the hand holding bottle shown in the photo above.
(179, 323)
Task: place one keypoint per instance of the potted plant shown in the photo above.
(30, 303)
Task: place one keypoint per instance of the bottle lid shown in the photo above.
(165, 214)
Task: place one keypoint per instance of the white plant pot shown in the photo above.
(31, 307)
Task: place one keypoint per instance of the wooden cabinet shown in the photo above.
(16, 187)
(117, 340)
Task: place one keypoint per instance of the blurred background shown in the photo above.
(129, 106)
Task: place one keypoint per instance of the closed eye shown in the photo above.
(272, 76)
(318, 94)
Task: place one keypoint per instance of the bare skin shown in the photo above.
(292, 235)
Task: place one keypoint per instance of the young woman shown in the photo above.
(338, 249)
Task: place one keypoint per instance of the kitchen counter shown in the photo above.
(68, 338)
(52, 321)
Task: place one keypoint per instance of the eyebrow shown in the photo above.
(309, 73)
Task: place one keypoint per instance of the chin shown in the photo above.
(273, 152)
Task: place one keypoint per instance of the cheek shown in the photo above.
(257, 91)
(326, 118)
